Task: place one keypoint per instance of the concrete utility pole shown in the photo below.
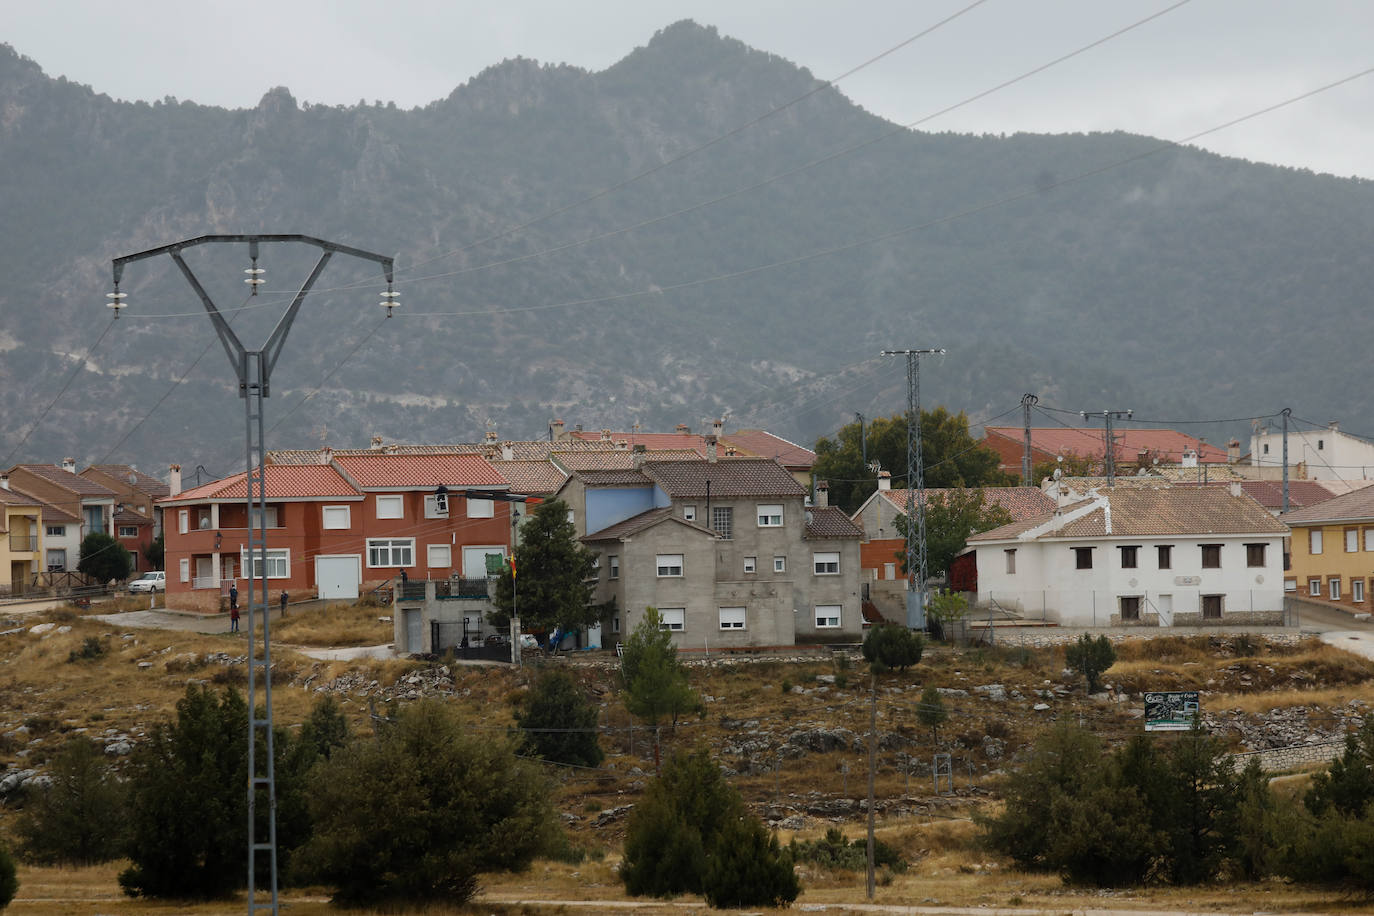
(254, 369)
(1027, 402)
(916, 490)
(1286, 412)
(1109, 456)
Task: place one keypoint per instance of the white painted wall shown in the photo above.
(1328, 453)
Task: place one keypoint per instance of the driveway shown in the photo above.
(1340, 629)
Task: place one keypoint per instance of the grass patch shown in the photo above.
(335, 626)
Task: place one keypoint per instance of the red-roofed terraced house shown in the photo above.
(334, 530)
(1170, 446)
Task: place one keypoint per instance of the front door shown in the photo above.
(413, 630)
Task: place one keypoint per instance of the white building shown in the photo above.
(1173, 556)
(1320, 454)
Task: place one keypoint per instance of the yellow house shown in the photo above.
(1333, 550)
(21, 541)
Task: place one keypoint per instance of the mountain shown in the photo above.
(1098, 271)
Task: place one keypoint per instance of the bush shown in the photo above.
(416, 812)
(1090, 656)
(9, 880)
(103, 558)
(91, 647)
(834, 852)
(890, 645)
(559, 721)
(79, 818)
(693, 834)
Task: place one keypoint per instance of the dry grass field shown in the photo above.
(89, 676)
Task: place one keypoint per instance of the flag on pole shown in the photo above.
(510, 561)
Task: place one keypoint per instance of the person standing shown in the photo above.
(283, 602)
(234, 617)
(233, 596)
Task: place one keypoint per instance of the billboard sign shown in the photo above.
(1171, 710)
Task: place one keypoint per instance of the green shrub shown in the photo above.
(91, 647)
(79, 818)
(833, 852)
(1090, 656)
(9, 879)
(746, 868)
(559, 721)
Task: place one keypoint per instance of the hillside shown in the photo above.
(1182, 284)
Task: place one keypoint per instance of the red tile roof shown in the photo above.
(643, 520)
(73, 482)
(303, 481)
(532, 478)
(1357, 505)
(653, 441)
(1019, 502)
(728, 478)
(587, 460)
(830, 522)
(373, 472)
(1301, 493)
(613, 477)
(15, 498)
(143, 483)
(1088, 442)
(763, 444)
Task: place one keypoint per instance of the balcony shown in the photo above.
(23, 543)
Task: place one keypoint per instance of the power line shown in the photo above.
(65, 385)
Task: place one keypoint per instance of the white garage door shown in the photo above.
(338, 577)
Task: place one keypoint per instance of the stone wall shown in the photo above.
(1291, 758)
(1232, 619)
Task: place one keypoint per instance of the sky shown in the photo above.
(1196, 66)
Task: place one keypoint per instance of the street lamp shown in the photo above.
(254, 369)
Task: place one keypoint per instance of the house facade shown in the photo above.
(335, 530)
(727, 550)
(92, 504)
(1333, 550)
(1314, 454)
(21, 541)
(1139, 556)
(139, 520)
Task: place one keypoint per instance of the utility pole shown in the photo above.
(254, 370)
(1286, 412)
(863, 438)
(1109, 456)
(1027, 402)
(916, 490)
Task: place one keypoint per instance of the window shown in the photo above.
(669, 565)
(827, 616)
(826, 564)
(1166, 556)
(1130, 557)
(269, 513)
(1211, 607)
(1011, 560)
(439, 556)
(614, 563)
(751, 564)
(615, 624)
(57, 560)
(732, 618)
(1369, 539)
(391, 507)
(390, 551)
(672, 618)
(1314, 541)
(185, 568)
(1264, 449)
(689, 513)
(1254, 555)
(723, 521)
(1321, 444)
(278, 563)
(336, 517)
(128, 531)
(1352, 540)
(1314, 587)
(60, 531)
(1333, 586)
(481, 508)
(1211, 556)
(770, 516)
(1356, 589)
(435, 507)
(1083, 557)
(183, 523)
(780, 564)
(95, 519)
(1130, 607)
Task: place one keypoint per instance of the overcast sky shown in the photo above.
(1193, 68)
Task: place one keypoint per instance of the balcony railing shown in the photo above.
(23, 543)
(461, 588)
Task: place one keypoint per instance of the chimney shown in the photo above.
(4, 481)
(174, 479)
(556, 433)
(638, 456)
(711, 449)
(622, 445)
(69, 465)
(823, 493)
(577, 427)
(718, 427)
(1232, 451)
(326, 455)
(730, 451)
(684, 429)
(1189, 458)
(884, 480)
(377, 443)
(507, 452)
(605, 435)
(491, 436)
(1236, 489)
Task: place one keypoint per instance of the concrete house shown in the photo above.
(1333, 549)
(1171, 556)
(73, 507)
(139, 520)
(726, 549)
(21, 540)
